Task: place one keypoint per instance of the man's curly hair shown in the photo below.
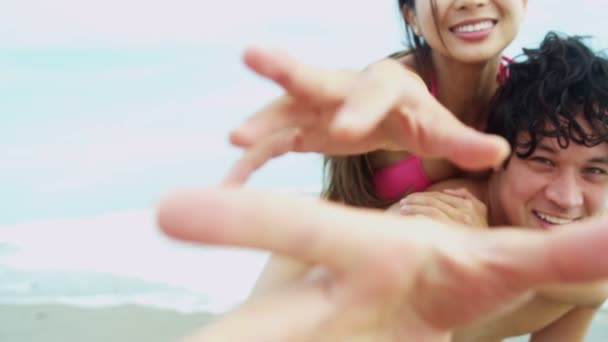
(545, 94)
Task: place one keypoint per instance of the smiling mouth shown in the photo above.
(553, 220)
(474, 27)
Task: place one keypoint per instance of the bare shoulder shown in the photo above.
(405, 57)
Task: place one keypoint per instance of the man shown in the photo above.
(376, 281)
(553, 110)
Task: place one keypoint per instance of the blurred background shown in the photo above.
(105, 106)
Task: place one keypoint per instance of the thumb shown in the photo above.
(473, 150)
(461, 144)
(436, 132)
(573, 253)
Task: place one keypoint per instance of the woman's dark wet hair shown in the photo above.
(545, 94)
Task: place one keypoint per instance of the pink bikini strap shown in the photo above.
(503, 70)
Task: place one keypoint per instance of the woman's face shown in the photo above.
(470, 31)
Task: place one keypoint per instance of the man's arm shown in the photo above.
(281, 271)
(572, 327)
(584, 294)
(278, 272)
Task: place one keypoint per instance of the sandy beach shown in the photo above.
(58, 323)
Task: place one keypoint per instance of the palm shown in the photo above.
(313, 122)
(406, 300)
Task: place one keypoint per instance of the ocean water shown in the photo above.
(107, 106)
(119, 258)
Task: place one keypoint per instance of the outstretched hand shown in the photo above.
(378, 277)
(345, 112)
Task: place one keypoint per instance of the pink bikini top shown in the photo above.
(408, 175)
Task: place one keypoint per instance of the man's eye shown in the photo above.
(542, 160)
(596, 171)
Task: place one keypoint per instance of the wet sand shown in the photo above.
(130, 323)
(58, 323)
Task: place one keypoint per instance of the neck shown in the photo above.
(464, 88)
(496, 215)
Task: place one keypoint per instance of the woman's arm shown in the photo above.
(345, 112)
(452, 201)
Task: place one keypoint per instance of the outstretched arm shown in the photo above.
(279, 272)
(376, 280)
(346, 112)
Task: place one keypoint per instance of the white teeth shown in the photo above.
(484, 25)
(553, 219)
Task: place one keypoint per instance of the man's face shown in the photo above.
(553, 186)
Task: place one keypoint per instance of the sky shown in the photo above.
(108, 105)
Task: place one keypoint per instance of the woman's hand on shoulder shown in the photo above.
(448, 205)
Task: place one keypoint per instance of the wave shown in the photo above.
(88, 289)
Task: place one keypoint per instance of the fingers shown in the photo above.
(577, 253)
(378, 90)
(310, 89)
(298, 79)
(469, 201)
(253, 158)
(437, 199)
(430, 212)
(423, 125)
(441, 206)
(473, 150)
(423, 204)
(460, 192)
(308, 230)
(476, 151)
(279, 115)
(502, 264)
(442, 135)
